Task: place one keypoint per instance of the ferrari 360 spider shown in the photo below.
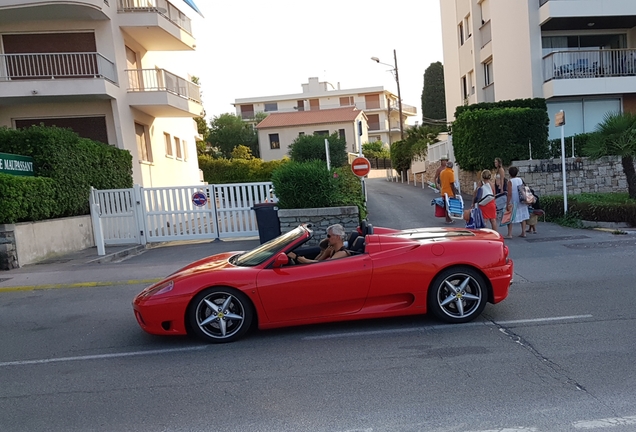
(449, 272)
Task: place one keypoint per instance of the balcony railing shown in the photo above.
(55, 66)
(162, 7)
(143, 80)
(486, 34)
(589, 64)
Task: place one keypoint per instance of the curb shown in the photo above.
(124, 253)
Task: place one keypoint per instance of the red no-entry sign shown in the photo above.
(361, 166)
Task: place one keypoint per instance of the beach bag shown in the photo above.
(486, 194)
(478, 218)
(525, 194)
(506, 218)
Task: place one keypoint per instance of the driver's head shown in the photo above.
(335, 233)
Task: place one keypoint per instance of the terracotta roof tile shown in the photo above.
(302, 118)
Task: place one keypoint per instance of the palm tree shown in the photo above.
(616, 135)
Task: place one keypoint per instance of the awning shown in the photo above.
(193, 6)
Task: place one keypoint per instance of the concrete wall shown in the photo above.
(320, 218)
(37, 241)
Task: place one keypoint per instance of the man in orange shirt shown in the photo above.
(447, 185)
(442, 167)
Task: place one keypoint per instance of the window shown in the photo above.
(314, 104)
(471, 82)
(300, 105)
(346, 101)
(322, 133)
(274, 142)
(373, 120)
(177, 146)
(488, 78)
(185, 150)
(168, 140)
(301, 134)
(464, 87)
(247, 112)
(271, 107)
(372, 101)
(143, 143)
(342, 134)
(467, 26)
(461, 33)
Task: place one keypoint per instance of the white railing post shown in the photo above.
(98, 232)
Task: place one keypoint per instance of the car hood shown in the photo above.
(208, 264)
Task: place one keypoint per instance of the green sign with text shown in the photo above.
(16, 165)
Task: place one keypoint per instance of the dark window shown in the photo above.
(143, 143)
(461, 33)
(341, 134)
(300, 105)
(301, 133)
(274, 141)
(86, 127)
(464, 87)
(372, 101)
(314, 104)
(322, 132)
(373, 120)
(271, 107)
(247, 112)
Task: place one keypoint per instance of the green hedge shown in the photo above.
(580, 141)
(310, 184)
(312, 147)
(218, 171)
(73, 163)
(535, 103)
(26, 198)
(579, 208)
(479, 136)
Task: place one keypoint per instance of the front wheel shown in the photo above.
(220, 315)
(458, 295)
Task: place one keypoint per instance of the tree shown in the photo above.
(434, 96)
(312, 147)
(376, 150)
(228, 131)
(616, 135)
(242, 152)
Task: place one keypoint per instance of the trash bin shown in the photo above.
(267, 221)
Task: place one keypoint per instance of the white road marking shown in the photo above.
(605, 423)
(99, 356)
(442, 326)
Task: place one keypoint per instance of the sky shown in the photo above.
(254, 48)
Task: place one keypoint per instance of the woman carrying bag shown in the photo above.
(518, 209)
(484, 200)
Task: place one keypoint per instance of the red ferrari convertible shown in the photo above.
(450, 272)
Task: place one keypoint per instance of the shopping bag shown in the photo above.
(506, 218)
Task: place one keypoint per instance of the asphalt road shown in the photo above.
(557, 355)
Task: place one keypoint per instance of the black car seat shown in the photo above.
(363, 228)
(369, 229)
(358, 246)
(352, 237)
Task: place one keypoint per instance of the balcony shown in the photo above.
(44, 10)
(56, 74)
(586, 14)
(158, 25)
(584, 72)
(160, 93)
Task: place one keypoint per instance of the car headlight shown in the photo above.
(162, 288)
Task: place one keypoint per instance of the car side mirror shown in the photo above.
(281, 260)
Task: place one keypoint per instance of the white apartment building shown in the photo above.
(97, 67)
(580, 55)
(379, 105)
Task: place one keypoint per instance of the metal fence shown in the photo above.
(589, 64)
(163, 7)
(161, 80)
(56, 65)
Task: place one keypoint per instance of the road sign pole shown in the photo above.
(565, 187)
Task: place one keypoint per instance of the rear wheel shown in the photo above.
(458, 295)
(220, 315)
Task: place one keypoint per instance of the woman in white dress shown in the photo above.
(520, 213)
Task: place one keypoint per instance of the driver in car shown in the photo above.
(336, 249)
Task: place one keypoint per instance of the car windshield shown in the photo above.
(268, 249)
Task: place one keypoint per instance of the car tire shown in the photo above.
(458, 295)
(220, 315)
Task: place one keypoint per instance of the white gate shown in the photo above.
(115, 211)
(140, 215)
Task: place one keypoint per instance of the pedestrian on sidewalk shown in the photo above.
(519, 210)
(442, 167)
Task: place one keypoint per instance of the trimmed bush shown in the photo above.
(479, 136)
(580, 141)
(26, 198)
(73, 163)
(535, 103)
(590, 210)
(309, 185)
(312, 147)
(218, 171)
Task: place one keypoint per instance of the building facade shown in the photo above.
(97, 67)
(279, 130)
(379, 105)
(580, 55)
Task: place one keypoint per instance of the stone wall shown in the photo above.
(320, 218)
(583, 175)
(8, 253)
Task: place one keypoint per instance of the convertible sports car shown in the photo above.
(450, 272)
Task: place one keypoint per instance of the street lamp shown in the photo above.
(397, 80)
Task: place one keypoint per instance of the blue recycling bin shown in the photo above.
(267, 221)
